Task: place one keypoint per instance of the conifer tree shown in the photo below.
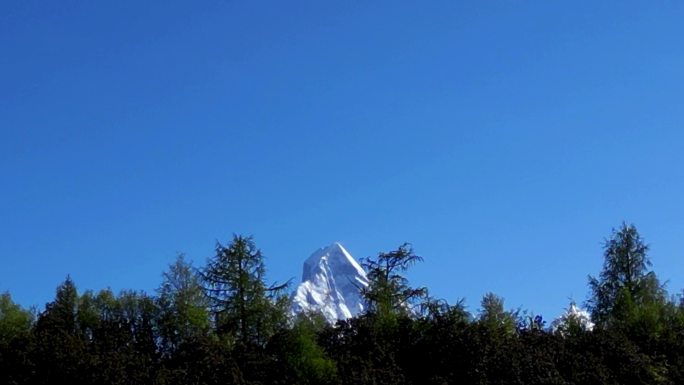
(388, 292)
(183, 306)
(60, 346)
(625, 284)
(244, 307)
(494, 316)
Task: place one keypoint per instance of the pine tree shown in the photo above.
(494, 316)
(388, 292)
(244, 307)
(61, 349)
(625, 285)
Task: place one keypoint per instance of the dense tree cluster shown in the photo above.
(224, 324)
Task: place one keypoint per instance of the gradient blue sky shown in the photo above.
(504, 139)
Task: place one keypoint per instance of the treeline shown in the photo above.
(224, 324)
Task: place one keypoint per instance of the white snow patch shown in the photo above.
(331, 284)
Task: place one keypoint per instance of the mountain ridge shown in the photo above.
(331, 284)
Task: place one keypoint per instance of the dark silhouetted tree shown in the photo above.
(15, 328)
(243, 305)
(388, 292)
(625, 287)
(61, 352)
(246, 311)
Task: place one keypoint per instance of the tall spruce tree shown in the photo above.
(60, 349)
(625, 285)
(244, 306)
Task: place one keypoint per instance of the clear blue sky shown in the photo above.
(504, 139)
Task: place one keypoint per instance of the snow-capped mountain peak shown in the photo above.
(331, 284)
(573, 315)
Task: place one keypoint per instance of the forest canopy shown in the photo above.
(223, 323)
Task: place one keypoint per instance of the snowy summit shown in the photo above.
(331, 284)
(574, 315)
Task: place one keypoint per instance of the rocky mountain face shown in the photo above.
(331, 284)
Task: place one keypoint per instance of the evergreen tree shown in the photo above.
(124, 337)
(60, 347)
(494, 316)
(131, 338)
(183, 306)
(388, 292)
(244, 306)
(625, 285)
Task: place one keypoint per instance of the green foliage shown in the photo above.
(15, 329)
(367, 351)
(244, 306)
(60, 347)
(246, 312)
(407, 337)
(573, 322)
(14, 321)
(389, 293)
(303, 360)
(625, 292)
(494, 316)
(184, 315)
